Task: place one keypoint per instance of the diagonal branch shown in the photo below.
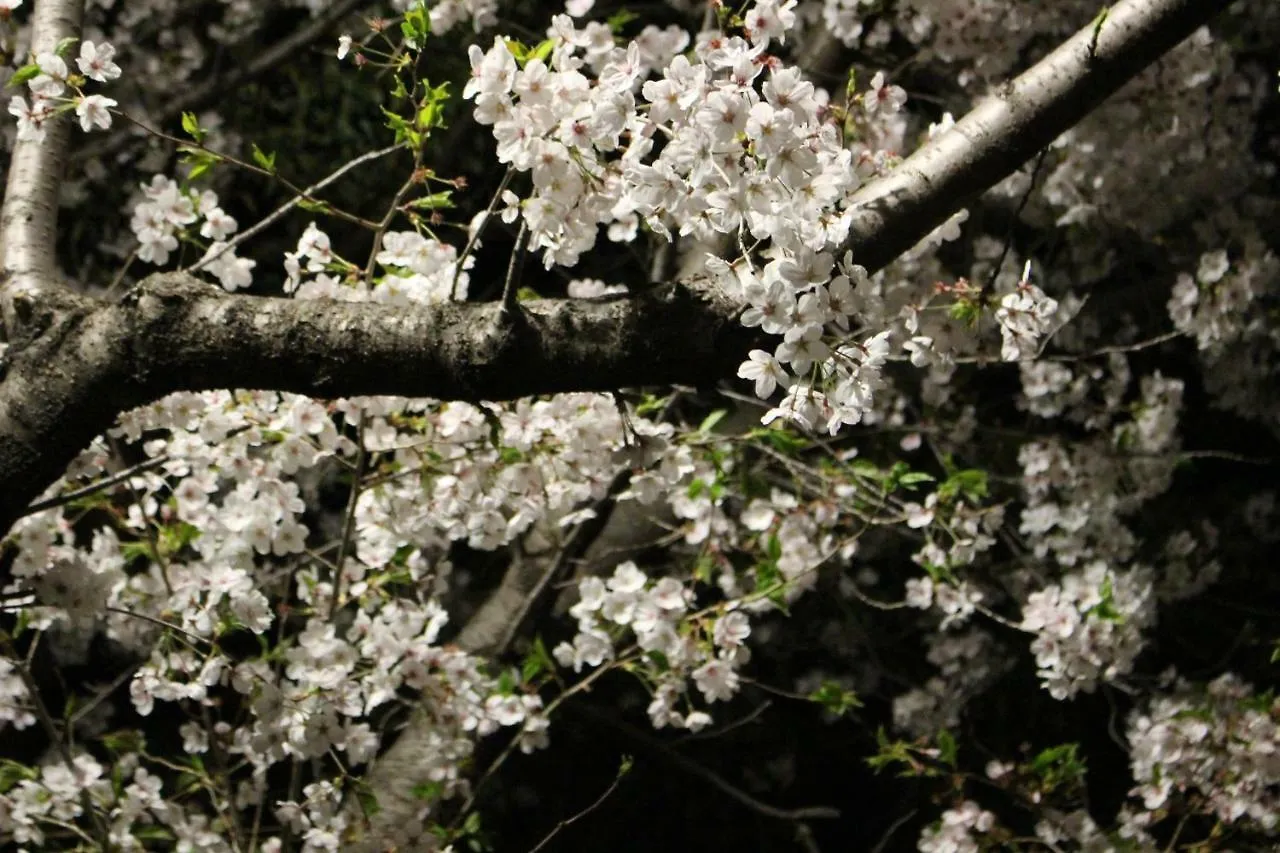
(1017, 120)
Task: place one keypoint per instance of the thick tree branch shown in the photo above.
(1016, 121)
(29, 216)
(79, 363)
(82, 362)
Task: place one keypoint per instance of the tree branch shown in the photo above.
(78, 363)
(1016, 121)
(29, 216)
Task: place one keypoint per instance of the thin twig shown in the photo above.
(510, 304)
(613, 786)
(280, 211)
(105, 483)
(349, 519)
(726, 729)
(1013, 220)
(160, 623)
(694, 768)
(220, 87)
(893, 827)
(474, 237)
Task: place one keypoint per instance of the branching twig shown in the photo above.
(280, 211)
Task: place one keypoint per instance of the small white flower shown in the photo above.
(96, 63)
(93, 111)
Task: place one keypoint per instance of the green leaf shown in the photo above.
(771, 583)
(178, 535)
(911, 479)
(543, 50)
(620, 19)
(191, 125)
(263, 159)
(428, 790)
(650, 404)
(865, 468)
(779, 439)
(518, 49)
(703, 568)
(1059, 765)
(11, 773)
(199, 161)
(64, 45)
(506, 683)
(966, 311)
(947, 747)
(23, 74)
(710, 421)
(970, 483)
(435, 201)
(134, 550)
(536, 662)
(313, 206)
(835, 699)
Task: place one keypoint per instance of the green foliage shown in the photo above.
(970, 484)
(537, 662)
(1059, 767)
(835, 699)
(12, 772)
(28, 72)
(191, 125)
(263, 159)
(416, 25)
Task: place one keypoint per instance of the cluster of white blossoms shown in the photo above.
(224, 533)
(745, 153)
(1025, 316)
(1211, 304)
(843, 18)
(416, 269)
(447, 14)
(1221, 743)
(48, 91)
(1077, 830)
(654, 613)
(168, 213)
(1224, 306)
(967, 664)
(955, 832)
(1089, 627)
(15, 701)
